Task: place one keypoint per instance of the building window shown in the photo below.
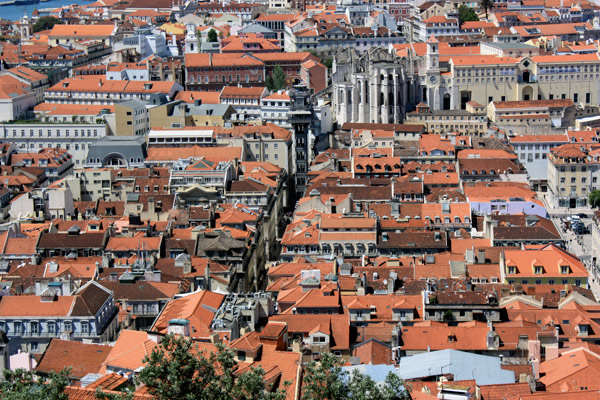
(34, 326)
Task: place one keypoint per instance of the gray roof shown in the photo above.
(256, 28)
(506, 46)
(203, 109)
(133, 103)
(485, 370)
(209, 46)
(127, 146)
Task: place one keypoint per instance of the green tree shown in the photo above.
(26, 385)
(328, 63)
(212, 36)
(486, 5)
(178, 370)
(101, 395)
(46, 22)
(466, 14)
(269, 82)
(278, 78)
(594, 198)
(448, 316)
(327, 380)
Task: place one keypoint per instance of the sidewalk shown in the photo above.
(580, 246)
(563, 211)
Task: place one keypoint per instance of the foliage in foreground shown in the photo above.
(21, 384)
(327, 380)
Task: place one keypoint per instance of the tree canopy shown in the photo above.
(26, 385)
(177, 369)
(594, 198)
(466, 14)
(212, 36)
(277, 79)
(45, 23)
(327, 380)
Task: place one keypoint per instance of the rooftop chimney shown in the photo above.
(179, 327)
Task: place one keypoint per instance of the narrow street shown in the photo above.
(581, 246)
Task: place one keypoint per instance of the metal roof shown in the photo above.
(462, 365)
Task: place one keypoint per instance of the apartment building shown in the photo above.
(97, 89)
(35, 81)
(67, 34)
(571, 175)
(90, 184)
(207, 71)
(267, 142)
(53, 312)
(16, 99)
(179, 114)
(204, 172)
(76, 138)
(55, 162)
(275, 109)
(533, 153)
(472, 121)
(548, 265)
(439, 25)
(245, 100)
(132, 118)
(533, 116)
(327, 235)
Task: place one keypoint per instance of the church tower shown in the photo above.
(431, 91)
(192, 45)
(433, 53)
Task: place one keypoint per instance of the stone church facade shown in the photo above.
(374, 87)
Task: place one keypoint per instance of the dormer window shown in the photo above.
(319, 339)
(564, 269)
(538, 269)
(512, 270)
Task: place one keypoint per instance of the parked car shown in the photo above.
(579, 228)
(582, 215)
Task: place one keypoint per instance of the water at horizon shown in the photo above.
(15, 12)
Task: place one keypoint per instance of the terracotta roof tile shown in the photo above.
(83, 358)
(129, 350)
(198, 307)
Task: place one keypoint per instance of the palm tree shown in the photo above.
(486, 5)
